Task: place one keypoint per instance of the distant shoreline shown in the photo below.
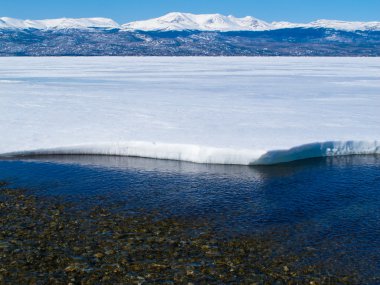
(312, 42)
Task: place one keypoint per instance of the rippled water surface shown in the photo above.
(330, 205)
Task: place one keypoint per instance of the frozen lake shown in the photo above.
(207, 110)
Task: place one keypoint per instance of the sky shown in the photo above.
(124, 11)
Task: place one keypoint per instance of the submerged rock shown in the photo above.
(48, 241)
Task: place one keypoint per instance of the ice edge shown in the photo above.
(212, 155)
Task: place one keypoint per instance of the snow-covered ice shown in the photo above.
(206, 110)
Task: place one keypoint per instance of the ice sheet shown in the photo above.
(207, 110)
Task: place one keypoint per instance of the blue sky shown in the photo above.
(128, 10)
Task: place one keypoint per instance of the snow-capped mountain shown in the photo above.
(184, 34)
(185, 21)
(216, 22)
(205, 22)
(63, 23)
(344, 26)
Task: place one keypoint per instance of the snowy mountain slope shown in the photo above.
(185, 21)
(344, 26)
(205, 22)
(63, 23)
(216, 22)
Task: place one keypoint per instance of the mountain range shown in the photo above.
(184, 21)
(188, 34)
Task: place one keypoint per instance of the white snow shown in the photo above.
(206, 22)
(177, 21)
(205, 110)
(215, 22)
(63, 23)
(344, 25)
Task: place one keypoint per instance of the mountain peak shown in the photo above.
(178, 21)
(201, 22)
(61, 23)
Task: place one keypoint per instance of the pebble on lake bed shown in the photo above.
(48, 241)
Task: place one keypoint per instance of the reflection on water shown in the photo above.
(279, 192)
(183, 167)
(329, 204)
